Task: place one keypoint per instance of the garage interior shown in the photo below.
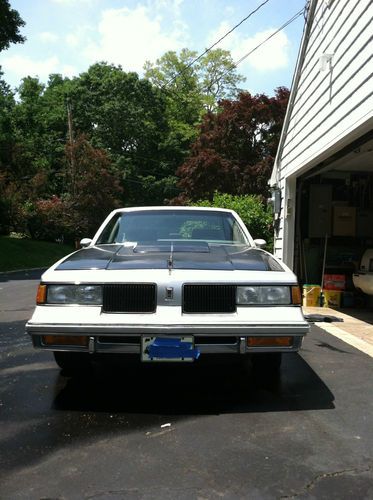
(334, 227)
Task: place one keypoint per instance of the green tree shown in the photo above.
(10, 22)
(126, 116)
(191, 88)
(256, 215)
(195, 84)
(218, 78)
(9, 195)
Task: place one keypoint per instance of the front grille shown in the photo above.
(129, 298)
(209, 298)
(215, 340)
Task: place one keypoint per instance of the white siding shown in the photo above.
(328, 105)
(329, 102)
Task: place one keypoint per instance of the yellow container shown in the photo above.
(311, 295)
(332, 298)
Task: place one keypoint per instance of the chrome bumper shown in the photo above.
(208, 338)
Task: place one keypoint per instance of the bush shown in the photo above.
(49, 220)
(256, 215)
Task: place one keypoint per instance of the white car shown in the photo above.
(170, 284)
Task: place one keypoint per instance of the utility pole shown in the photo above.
(71, 141)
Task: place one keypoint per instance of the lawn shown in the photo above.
(19, 253)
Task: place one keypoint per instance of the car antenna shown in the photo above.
(170, 260)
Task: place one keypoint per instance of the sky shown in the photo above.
(67, 36)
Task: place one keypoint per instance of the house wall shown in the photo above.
(330, 107)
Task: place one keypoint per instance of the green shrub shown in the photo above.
(256, 215)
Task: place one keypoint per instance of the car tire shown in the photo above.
(267, 361)
(72, 363)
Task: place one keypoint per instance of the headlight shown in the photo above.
(263, 295)
(74, 294)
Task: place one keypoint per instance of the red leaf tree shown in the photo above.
(235, 150)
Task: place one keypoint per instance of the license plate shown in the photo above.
(168, 349)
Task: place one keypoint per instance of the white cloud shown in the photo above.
(69, 71)
(21, 66)
(272, 55)
(130, 37)
(72, 40)
(81, 35)
(48, 37)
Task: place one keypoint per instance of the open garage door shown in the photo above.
(334, 227)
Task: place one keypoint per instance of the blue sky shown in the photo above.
(67, 36)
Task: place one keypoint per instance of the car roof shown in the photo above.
(169, 208)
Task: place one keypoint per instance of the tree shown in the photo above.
(8, 191)
(202, 82)
(218, 77)
(96, 187)
(235, 149)
(10, 22)
(125, 115)
(93, 190)
(190, 88)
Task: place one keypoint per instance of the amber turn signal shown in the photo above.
(41, 295)
(296, 296)
(270, 341)
(65, 340)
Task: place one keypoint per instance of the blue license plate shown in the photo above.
(168, 348)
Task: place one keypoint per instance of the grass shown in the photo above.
(21, 253)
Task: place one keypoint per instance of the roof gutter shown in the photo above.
(274, 180)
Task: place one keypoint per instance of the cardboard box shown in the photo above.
(320, 210)
(344, 221)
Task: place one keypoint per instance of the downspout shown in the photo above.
(275, 177)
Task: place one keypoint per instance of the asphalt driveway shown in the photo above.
(208, 430)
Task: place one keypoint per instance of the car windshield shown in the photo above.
(162, 226)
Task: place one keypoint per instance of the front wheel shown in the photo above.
(72, 363)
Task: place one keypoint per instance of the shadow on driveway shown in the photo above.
(43, 411)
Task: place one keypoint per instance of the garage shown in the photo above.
(334, 228)
(322, 179)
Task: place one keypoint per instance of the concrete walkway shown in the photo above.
(356, 328)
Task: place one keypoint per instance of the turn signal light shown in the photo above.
(296, 295)
(41, 295)
(57, 340)
(269, 341)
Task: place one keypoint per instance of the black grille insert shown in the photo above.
(209, 298)
(129, 298)
(109, 339)
(215, 340)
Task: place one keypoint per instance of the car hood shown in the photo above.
(193, 255)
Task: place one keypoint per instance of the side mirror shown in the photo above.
(85, 242)
(260, 243)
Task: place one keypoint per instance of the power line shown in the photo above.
(216, 43)
(289, 21)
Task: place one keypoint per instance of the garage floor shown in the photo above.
(355, 329)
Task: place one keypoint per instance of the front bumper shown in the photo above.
(211, 338)
(121, 333)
